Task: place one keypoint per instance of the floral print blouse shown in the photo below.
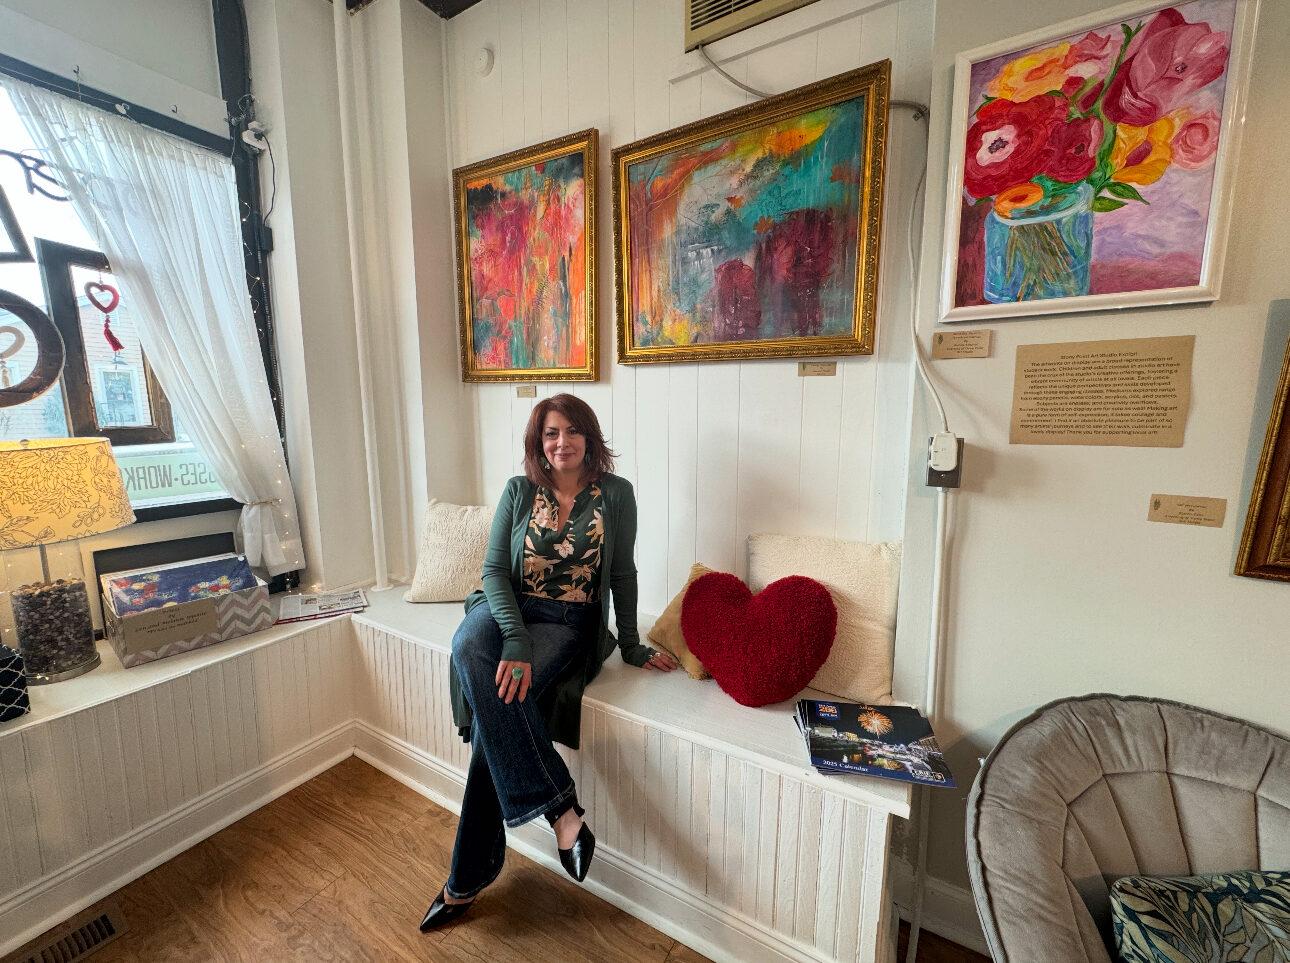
(564, 563)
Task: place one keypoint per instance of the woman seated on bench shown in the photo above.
(562, 543)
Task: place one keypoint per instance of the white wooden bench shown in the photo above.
(709, 824)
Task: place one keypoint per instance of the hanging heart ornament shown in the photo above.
(14, 346)
(110, 297)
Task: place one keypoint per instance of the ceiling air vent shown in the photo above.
(709, 20)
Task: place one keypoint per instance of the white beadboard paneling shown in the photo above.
(877, 846)
(852, 895)
(829, 875)
(75, 785)
(115, 819)
(791, 867)
(20, 812)
(720, 450)
(806, 874)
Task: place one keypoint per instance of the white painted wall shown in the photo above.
(719, 450)
(424, 415)
(297, 92)
(158, 53)
(175, 38)
(1059, 585)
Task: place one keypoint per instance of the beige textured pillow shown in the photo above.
(863, 578)
(666, 633)
(450, 561)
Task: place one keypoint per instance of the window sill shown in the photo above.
(111, 680)
(156, 513)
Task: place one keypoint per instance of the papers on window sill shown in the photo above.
(302, 608)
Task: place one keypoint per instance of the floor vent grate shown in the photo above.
(76, 939)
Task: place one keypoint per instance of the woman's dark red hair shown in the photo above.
(599, 459)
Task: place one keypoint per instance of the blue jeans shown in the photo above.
(515, 774)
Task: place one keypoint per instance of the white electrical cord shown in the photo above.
(919, 360)
(932, 692)
(943, 511)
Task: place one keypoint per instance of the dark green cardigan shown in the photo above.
(503, 580)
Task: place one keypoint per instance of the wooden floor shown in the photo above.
(343, 867)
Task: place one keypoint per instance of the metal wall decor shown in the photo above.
(49, 347)
(19, 252)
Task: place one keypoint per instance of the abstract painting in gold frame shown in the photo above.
(1265, 543)
(754, 233)
(526, 263)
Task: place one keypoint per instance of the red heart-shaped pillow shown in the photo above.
(761, 648)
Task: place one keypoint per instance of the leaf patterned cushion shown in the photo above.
(1219, 918)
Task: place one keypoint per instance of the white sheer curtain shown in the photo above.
(165, 213)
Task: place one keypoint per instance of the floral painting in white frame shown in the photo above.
(1091, 161)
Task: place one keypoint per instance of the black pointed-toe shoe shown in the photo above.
(576, 860)
(441, 913)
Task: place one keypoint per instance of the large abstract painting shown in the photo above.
(526, 256)
(754, 233)
(1091, 161)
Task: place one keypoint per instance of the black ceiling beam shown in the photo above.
(444, 8)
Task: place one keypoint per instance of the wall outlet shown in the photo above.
(949, 477)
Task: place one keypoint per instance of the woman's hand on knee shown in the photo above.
(513, 679)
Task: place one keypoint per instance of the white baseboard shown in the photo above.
(30, 912)
(948, 910)
(664, 904)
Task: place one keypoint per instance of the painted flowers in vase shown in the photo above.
(1088, 162)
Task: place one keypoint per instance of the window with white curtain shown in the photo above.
(107, 387)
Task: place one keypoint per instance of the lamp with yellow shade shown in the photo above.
(54, 490)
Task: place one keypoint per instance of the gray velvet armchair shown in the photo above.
(1087, 790)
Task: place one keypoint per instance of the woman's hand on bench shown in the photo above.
(662, 661)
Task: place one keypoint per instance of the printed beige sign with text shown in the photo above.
(1132, 393)
(1188, 510)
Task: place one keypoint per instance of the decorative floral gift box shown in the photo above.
(139, 590)
(202, 606)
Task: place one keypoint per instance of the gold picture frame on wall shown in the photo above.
(526, 263)
(1265, 543)
(755, 233)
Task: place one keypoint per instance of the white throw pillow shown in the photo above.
(863, 578)
(450, 561)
